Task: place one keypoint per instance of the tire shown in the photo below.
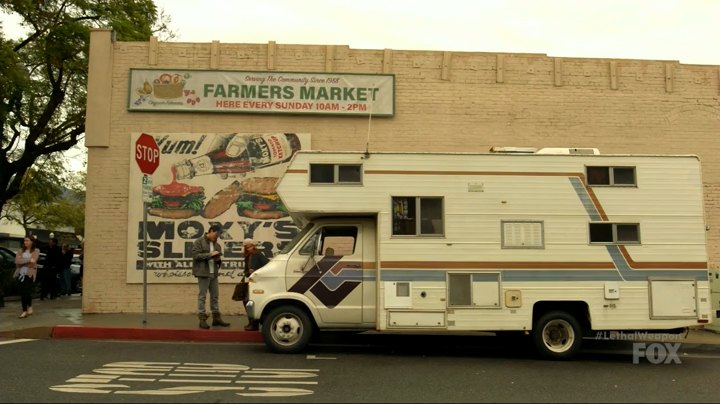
(287, 329)
(557, 335)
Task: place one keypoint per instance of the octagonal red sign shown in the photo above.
(147, 154)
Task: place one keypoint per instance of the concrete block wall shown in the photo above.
(445, 101)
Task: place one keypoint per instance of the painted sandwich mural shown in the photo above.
(205, 179)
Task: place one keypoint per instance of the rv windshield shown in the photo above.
(289, 246)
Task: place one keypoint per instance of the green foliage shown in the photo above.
(49, 198)
(40, 189)
(43, 78)
(69, 209)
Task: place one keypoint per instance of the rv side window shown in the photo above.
(459, 290)
(417, 216)
(611, 176)
(615, 233)
(335, 173)
(332, 241)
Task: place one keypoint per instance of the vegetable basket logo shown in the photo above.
(166, 87)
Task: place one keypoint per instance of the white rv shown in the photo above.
(555, 243)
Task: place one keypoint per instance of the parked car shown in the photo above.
(7, 268)
(7, 256)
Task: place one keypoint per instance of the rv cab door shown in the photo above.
(327, 268)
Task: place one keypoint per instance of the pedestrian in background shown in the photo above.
(66, 256)
(206, 253)
(25, 272)
(82, 265)
(48, 277)
(254, 260)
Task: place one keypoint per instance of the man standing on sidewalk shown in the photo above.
(206, 253)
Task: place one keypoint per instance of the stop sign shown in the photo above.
(147, 154)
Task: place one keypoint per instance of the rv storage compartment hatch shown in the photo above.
(672, 299)
(416, 319)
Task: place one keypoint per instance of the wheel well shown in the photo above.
(287, 302)
(577, 309)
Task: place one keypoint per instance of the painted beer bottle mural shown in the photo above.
(239, 154)
(203, 179)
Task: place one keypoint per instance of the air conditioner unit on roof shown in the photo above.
(497, 149)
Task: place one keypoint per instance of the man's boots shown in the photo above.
(203, 321)
(218, 321)
(253, 325)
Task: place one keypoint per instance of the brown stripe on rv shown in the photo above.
(593, 197)
(660, 265)
(518, 173)
(296, 171)
(495, 265)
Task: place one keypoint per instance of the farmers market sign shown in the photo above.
(261, 92)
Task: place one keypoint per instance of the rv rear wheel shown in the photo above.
(287, 329)
(557, 335)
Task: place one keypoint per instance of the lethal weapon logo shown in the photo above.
(172, 379)
(330, 280)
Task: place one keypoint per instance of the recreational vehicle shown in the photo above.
(555, 243)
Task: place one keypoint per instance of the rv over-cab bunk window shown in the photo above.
(611, 176)
(417, 216)
(615, 233)
(335, 173)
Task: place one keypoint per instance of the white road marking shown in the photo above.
(700, 356)
(271, 382)
(277, 373)
(193, 378)
(15, 341)
(194, 381)
(629, 353)
(313, 357)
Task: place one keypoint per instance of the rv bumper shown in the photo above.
(250, 309)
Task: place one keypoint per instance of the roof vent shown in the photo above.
(564, 150)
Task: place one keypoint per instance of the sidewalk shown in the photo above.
(63, 318)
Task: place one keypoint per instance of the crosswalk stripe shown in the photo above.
(15, 341)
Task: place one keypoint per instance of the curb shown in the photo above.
(153, 334)
(32, 333)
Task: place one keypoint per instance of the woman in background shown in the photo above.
(26, 271)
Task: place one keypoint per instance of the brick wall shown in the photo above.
(459, 101)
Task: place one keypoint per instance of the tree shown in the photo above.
(69, 209)
(40, 190)
(43, 77)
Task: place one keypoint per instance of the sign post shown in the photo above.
(147, 156)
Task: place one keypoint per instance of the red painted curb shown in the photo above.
(153, 334)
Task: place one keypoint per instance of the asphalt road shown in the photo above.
(346, 368)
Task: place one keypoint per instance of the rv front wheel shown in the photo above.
(557, 335)
(288, 329)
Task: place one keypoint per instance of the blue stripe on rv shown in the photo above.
(437, 275)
